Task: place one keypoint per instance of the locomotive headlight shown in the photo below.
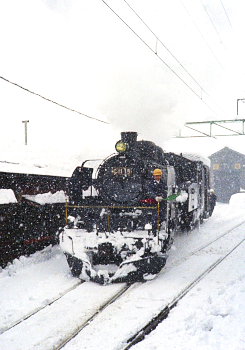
(121, 146)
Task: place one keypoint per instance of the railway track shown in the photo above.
(204, 246)
(87, 322)
(77, 309)
(125, 339)
(163, 314)
(99, 310)
(38, 309)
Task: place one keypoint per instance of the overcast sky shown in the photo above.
(80, 54)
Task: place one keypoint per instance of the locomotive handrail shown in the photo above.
(157, 207)
(109, 206)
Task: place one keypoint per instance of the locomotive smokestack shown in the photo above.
(129, 137)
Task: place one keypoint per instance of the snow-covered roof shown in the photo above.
(35, 169)
(48, 198)
(227, 151)
(7, 196)
(197, 157)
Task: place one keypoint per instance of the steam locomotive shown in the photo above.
(108, 235)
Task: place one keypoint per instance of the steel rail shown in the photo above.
(35, 311)
(177, 262)
(87, 322)
(163, 314)
(155, 321)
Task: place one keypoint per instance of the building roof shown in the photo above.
(226, 151)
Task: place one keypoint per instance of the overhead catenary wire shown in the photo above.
(165, 63)
(205, 41)
(226, 14)
(166, 48)
(52, 101)
(177, 60)
(201, 34)
(212, 22)
(145, 43)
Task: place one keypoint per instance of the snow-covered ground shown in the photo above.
(210, 317)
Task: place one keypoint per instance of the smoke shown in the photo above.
(81, 55)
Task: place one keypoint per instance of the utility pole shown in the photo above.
(25, 122)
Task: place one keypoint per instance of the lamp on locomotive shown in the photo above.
(121, 146)
(128, 141)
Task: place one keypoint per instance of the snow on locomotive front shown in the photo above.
(108, 237)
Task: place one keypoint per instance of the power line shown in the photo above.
(49, 100)
(148, 46)
(205, 41)
(157, 38)
(202, 36)
(177, 60)
(212, 22)
(228, 19)
(166, 48)
(151, 49)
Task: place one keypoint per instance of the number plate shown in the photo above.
(122, 171)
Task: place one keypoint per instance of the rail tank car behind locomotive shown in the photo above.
(109, 237)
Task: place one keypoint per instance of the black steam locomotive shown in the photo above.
(109, 237)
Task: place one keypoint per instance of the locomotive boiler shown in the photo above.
(108, 236)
